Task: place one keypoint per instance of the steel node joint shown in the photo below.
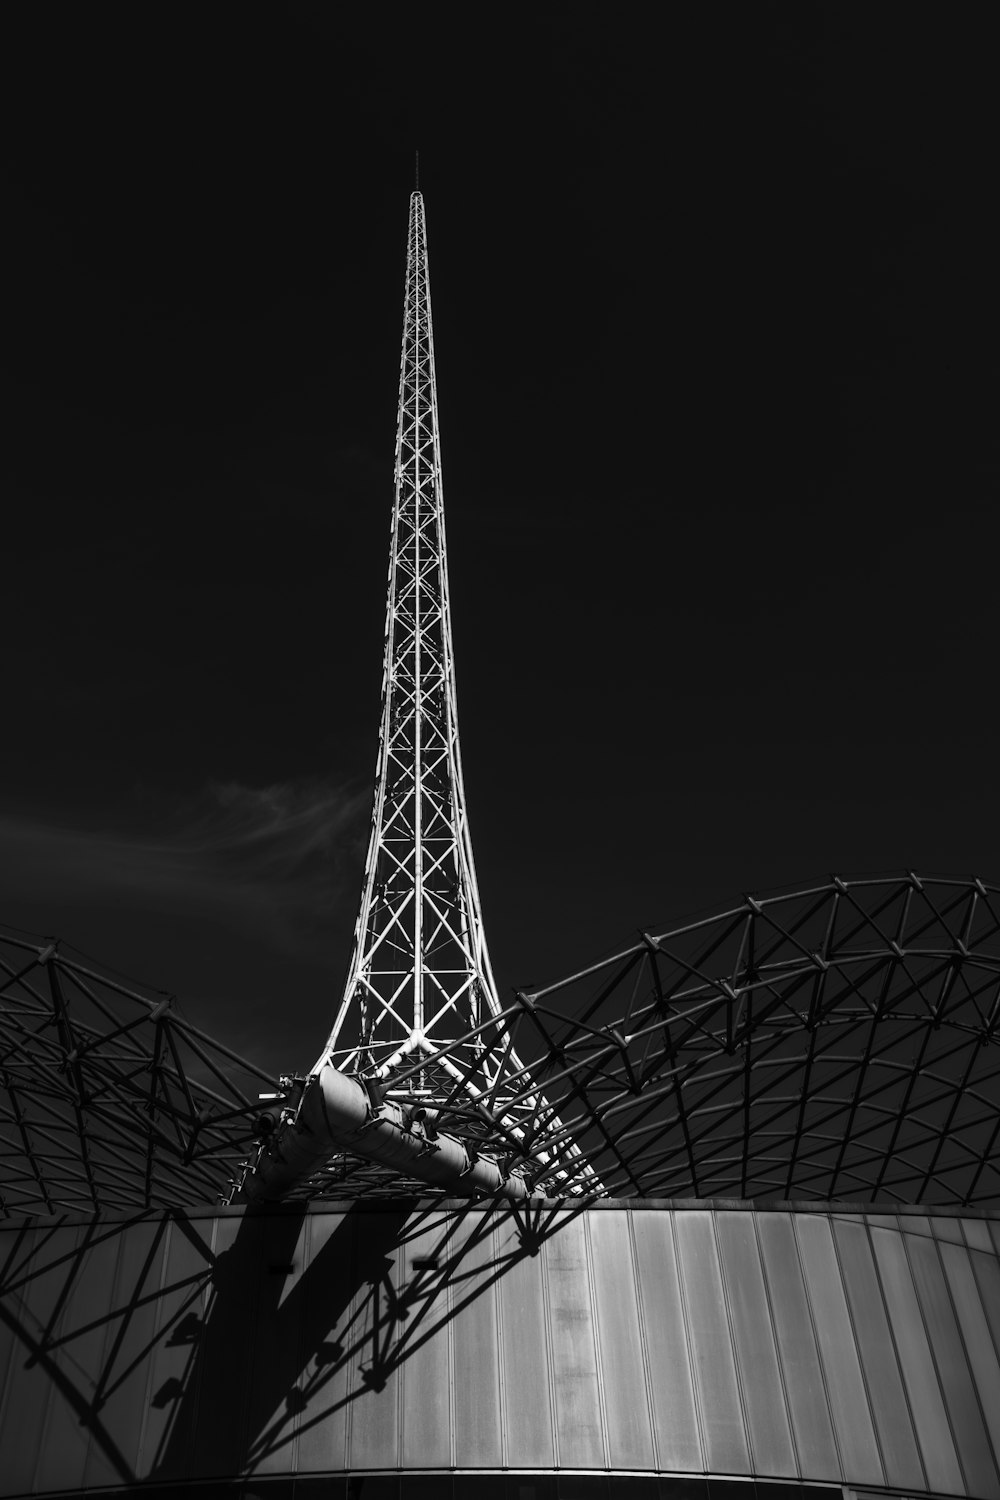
(337, 1114)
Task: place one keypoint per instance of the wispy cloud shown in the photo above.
(274, 860)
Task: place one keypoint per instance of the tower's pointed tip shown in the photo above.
(416, 171)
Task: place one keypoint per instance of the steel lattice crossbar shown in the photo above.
(420, 965)
(835, 1042)
(419, 982)
(109, 1099)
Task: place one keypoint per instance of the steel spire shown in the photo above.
(420, 971)
(419, 1072)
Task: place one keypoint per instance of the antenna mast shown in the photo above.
(419, 1072)
(420, 972)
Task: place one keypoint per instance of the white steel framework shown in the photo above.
(419, 982)
(419, 967)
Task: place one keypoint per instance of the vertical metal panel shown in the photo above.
(180, 1309)
(526, 1381)
(224, 1361)
(981, 1351)
(630, 1440)
(849, 1407)
(274, 1396)
(712, 1344)
(425, 1372)
(476, 1352)
(70, 1423)
(35, 1309)
(986, 1269)
(125, 1361)
(900, 1455)
(967, 1423)
(14, 1248)
(326, 1335)
(977, 1234)
(763, 1393)
(374, 1421)
(22, 1318)
(947, 1228)
(929, 1417)
(275, 1375)
(807, 1398)
(675, 1417)
(995, 1232)
(8, 1344)
(579, 1427)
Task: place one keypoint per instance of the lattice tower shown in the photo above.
(419, 983)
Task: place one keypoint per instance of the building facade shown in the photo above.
(422, 1347)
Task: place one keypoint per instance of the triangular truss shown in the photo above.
(419, 984)
(109, 1098)
(838, 1042)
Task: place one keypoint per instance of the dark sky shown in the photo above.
(716, 319)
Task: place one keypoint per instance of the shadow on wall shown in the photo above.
(201, 1354)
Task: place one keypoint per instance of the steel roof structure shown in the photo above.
(109, 1098)
(835, 1042)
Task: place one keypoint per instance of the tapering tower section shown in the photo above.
(419, 974)
(420, 1074)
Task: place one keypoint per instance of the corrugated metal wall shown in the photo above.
(821, 1346)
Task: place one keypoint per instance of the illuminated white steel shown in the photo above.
(419, 977)
(419, 967)
(337, 1114)
(405, 1079)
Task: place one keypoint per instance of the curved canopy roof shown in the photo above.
(834, 1042)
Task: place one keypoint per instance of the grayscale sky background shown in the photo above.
(716, 318)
